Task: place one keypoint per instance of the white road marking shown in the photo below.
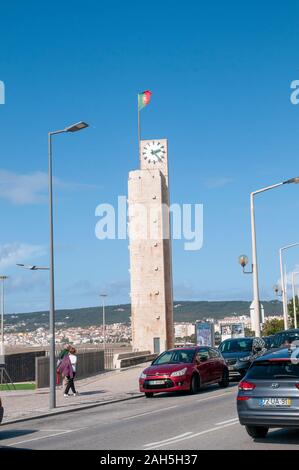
(227, 421)
(149, 412)
(38, 438)
(167, 440)
(217, 428)
(55, 430)
(213, 396)
(58, 433)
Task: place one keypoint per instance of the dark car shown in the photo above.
(269, 341)
(286, 337)
(1, 411)
(184, 369)
(239, 353)
(268, 395)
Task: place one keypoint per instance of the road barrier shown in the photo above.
(122, 360)
(89, 363)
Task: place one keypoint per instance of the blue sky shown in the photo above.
(220, 74)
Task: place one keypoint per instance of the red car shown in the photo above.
(186, 368)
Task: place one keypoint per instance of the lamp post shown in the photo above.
(294, 297)
(104, 321)
(2, 354)
(254, 271)
(73, 128)
(283, 284)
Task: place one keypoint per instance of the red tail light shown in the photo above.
(240, 398)
(246, 386)
(297, 385)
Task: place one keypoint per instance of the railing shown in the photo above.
(89, 363)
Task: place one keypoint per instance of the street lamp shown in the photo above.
(32, 267)
(277, 290)
(294, 297)
(73, 128)
(256, 299)
(104, 322)
(283, 284)
(2, 353)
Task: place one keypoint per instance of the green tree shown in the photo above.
(248, 332)
(272, 326)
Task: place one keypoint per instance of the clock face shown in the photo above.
(154, 152)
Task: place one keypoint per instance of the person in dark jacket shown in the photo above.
(59, 377)
(73, 362)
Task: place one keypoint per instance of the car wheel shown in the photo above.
(225, 380)
(257, 431)
(149, 394)
(195, 384)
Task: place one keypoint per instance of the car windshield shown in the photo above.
(236, 345)
(175, 357)
(273, 370)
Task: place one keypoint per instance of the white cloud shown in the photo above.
(13, 253)
(31, 188)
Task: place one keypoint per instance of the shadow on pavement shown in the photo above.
(281, 436)
(10, 434)
(95, 392)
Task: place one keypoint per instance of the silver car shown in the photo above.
(268, 395)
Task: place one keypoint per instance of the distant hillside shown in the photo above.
(183, 312)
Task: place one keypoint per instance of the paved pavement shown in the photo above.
(114, 385)
(207, 420)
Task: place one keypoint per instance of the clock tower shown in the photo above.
(150, 250)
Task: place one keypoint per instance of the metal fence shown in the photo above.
(89, 363)
(21, 367)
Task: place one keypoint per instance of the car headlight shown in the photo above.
(143, 375)
(179, 373)
(245, 359)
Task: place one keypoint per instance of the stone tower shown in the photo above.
(150, 250)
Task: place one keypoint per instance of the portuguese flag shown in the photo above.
(144, 99)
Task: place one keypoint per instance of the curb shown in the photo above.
(60, 412)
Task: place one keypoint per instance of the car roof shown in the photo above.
(279, 353)
(243, 337)
(187, 348)
(291, 330)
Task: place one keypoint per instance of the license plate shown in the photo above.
(275, 402)
(231, 368)
(156, 382)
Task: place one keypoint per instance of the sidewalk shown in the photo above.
(96, 390)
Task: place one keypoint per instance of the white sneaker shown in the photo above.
(65, 395)
(75, 394)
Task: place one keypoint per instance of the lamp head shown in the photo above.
(76, 127)
(292, 180)
(243, 260)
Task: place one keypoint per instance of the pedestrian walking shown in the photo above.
(73, 363)
(60, 379)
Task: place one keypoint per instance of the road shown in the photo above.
(207, 420)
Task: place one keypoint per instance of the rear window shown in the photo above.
(273, 370)
(236, 345)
